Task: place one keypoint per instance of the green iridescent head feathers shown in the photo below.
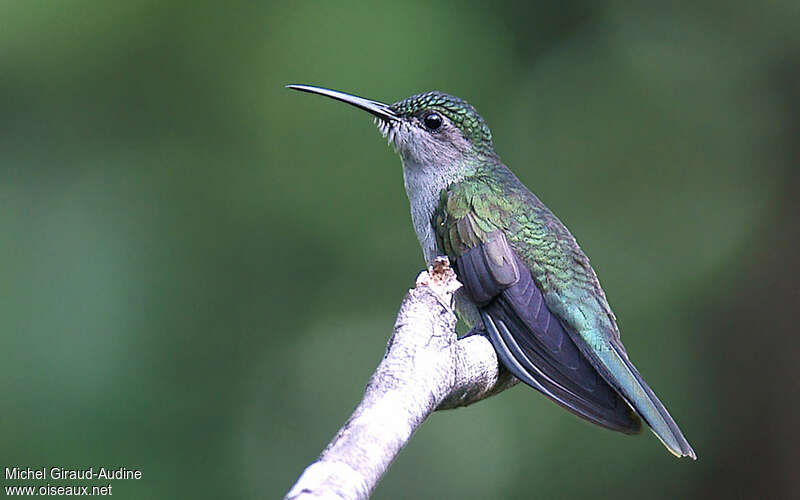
(457, 110)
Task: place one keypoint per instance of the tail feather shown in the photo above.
(626, 379)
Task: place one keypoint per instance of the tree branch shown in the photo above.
(426, 368)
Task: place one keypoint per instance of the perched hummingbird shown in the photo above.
(526, 282)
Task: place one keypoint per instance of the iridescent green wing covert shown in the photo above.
(542, 305)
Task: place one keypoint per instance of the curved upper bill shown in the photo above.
(378, 109)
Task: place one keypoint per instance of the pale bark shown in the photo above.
(426, 368)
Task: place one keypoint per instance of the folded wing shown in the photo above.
(530, 340)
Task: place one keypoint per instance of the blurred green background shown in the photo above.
(200, 269)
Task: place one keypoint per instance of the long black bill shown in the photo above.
(379, 109)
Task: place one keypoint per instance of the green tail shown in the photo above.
(627, 380)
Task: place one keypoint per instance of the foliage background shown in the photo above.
(200, 269)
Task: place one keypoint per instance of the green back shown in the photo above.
(495, 199)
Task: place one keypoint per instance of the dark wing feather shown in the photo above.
(530, 340)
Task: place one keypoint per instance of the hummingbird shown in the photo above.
(527, 284)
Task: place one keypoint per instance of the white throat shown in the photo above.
(423, 187)
(430, 164)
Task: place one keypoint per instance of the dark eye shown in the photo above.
(432, 121)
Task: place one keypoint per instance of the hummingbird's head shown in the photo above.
(430, 129)
(434, 126)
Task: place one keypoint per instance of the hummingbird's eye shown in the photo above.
(432, 121)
